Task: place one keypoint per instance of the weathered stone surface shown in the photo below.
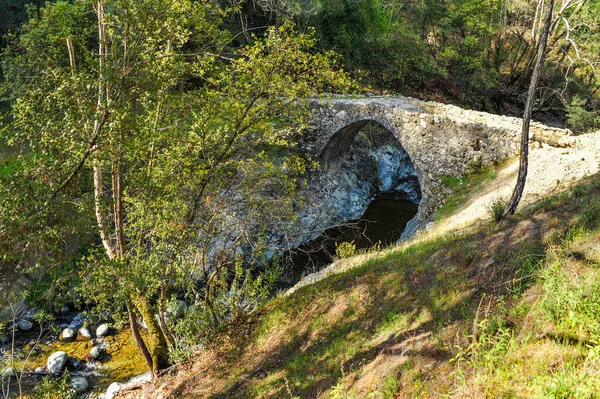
(25, 325)
(79, 384)
(67, 335)
(441, 140)
(56, 362)
(85, 333)
(112, 390)
(102, 330)
(96, 352)
(77, 321)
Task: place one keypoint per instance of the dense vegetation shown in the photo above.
(149, 155)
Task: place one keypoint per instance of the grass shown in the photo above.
(511, 310)
(463, 187)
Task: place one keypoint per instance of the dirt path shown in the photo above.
(551, 170)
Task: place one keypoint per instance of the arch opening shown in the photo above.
(365, 192)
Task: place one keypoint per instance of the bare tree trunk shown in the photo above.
(98, 123)
(523, 158)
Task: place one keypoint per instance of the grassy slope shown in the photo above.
(510, 310)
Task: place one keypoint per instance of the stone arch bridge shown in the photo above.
(441, 140)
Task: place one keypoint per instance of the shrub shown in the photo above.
(345, 249)
(580, 119)
(496, 209)
(55, 388)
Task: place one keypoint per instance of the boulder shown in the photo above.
(25, 325)
(79, 384)
(67, 335)
(85, 333)
(102, 330)
(112, 389)
(96, 352)
(8, 372)
(56, 362)
(77, 321)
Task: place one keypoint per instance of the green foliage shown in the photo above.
(55, 388)
(220, 305)
(496, 209)
(580, 119)
(164, 185)
(345, 249)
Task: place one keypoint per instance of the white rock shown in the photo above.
(138, 380)
(79, 384)
(8, 372)
(96, 352)
(67, 335)
(112, 389)
(25, 325)
(56, 362)
(102, 330)
(85, 333)
(40, 370)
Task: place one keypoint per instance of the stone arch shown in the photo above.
(338, 144)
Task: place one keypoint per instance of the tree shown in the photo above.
(512, 204)
(110, 127)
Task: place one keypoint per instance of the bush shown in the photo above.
(496, 209)
(580, 119)
(345, 249)
(55, 388)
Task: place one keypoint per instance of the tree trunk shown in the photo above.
(159, 351)
(135, 331)
(98, 123)
(523, 158)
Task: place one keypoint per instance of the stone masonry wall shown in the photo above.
(442, 140)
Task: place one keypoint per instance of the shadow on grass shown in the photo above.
(344, 322)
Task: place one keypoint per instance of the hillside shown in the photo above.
(506, 310)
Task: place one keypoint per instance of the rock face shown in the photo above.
(375, 164)
(56, 362)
